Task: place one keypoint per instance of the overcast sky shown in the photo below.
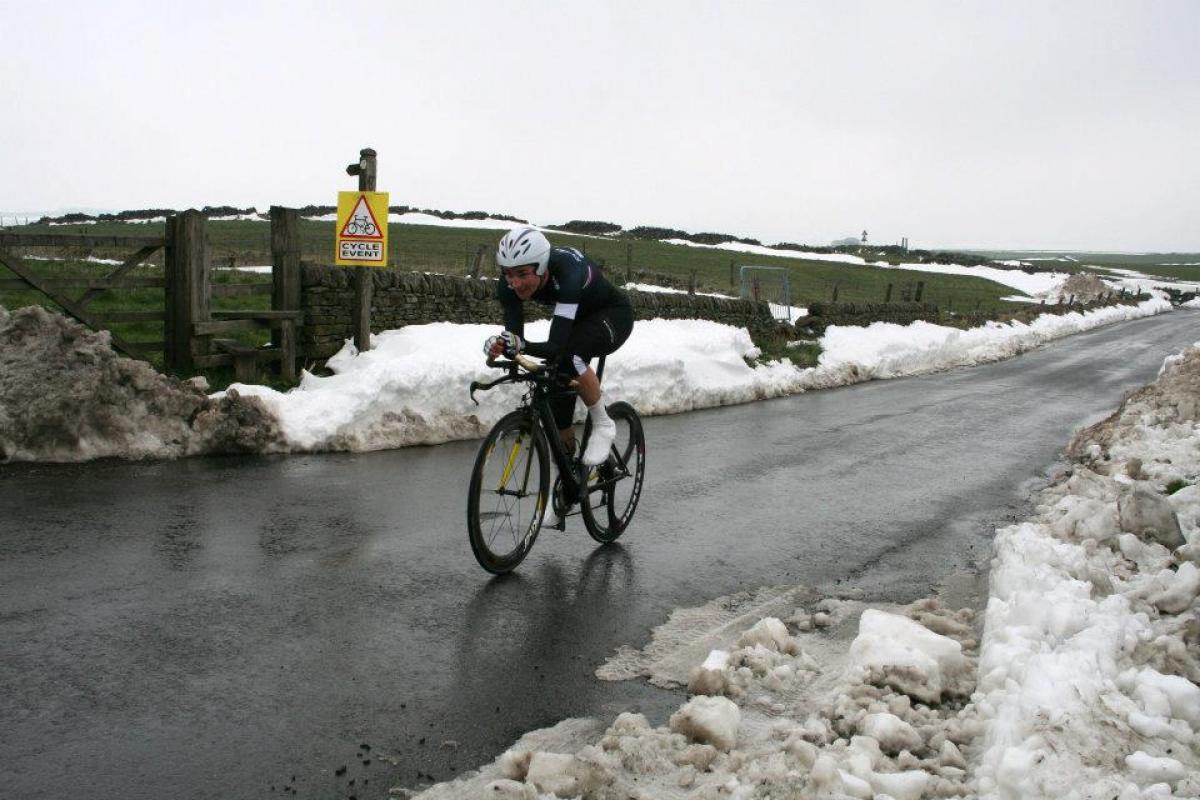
(1018, 124)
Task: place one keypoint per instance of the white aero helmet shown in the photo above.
(522, 246)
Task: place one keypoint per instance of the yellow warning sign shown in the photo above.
(361, 229)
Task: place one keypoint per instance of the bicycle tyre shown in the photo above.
(503, 523)
(608, 517)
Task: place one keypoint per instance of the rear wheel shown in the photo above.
(510, 486)
(614, 487)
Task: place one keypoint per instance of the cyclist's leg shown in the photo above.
(597, 335)
(563, 406)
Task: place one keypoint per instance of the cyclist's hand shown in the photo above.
(506, 344)
(512, 344)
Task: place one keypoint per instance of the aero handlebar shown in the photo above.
(521, 360)
(530, 366)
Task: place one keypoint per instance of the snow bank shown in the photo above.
(411, 387)
(888, 350)
(1089, 661)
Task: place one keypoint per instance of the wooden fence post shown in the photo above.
(187, 290)
(887, 297)
(920, 291)
(285, 283)
(475, 270)
(366, 169)
(629, 262)
(835, 293)
(692, 283)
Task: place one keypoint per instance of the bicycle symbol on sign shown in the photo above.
(361, 225)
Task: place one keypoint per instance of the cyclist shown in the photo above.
(591, 318)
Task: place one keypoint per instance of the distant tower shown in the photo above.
(864, 239)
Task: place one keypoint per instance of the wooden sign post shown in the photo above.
(366, 170)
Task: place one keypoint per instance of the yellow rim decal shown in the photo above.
(512, 460)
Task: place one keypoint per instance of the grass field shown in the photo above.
(453, 251)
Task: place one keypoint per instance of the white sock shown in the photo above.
(603, 432)
(598, 412)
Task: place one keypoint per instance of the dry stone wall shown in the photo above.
(822, 315)
(414, 298)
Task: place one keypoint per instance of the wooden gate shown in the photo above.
(59, 289)
(198, 333)
(192, 332)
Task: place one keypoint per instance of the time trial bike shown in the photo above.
(510, 484)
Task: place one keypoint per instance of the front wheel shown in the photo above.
(614, 487)
(510, 485)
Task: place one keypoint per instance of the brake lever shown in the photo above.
(477, 386)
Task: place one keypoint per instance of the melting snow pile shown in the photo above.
(1091, 652)
(894, 724)
(65, 395)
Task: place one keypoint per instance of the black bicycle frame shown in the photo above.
(539, 407)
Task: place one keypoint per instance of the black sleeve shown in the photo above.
(560, 331)
(514, 312)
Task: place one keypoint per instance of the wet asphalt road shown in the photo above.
(243, 627)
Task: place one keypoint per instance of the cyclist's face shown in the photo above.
(524, 281)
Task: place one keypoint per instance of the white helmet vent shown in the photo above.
(522, 246)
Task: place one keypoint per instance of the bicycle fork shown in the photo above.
(513, 456)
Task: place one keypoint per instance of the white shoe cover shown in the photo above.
(601, 439)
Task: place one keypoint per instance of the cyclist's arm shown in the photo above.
(560, 329)
(514, 311)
